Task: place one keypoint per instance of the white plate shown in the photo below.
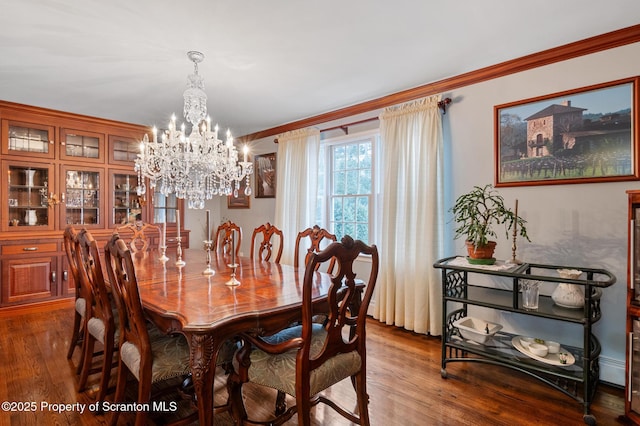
(568, 306)
(552, 359)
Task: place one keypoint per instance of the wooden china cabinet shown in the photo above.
(59, 169)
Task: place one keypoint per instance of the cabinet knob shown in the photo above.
(30, 248)
(53, 276)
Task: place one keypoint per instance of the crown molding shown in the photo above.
(557, 54)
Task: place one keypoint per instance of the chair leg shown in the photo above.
(363, 398)
(75, 336)
(303, 404)
(107, 364)
(120, 388)
(87, 359)
(144, 396)
(234, 390)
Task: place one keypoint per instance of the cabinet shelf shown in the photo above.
(462, 288)
(501, 299)
(500, 349)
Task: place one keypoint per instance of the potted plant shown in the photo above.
(476, 214)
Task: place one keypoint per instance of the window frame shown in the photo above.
(326, 180)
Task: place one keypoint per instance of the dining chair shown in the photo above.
(101, 323)
(267, 235)
(150, 356)
(69, 239)
(141, 236)
(318, 239)
(225, 241)
(305, 360)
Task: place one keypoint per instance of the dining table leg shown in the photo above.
(203, 360)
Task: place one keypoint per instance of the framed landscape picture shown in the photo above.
(265, 169)
(577, 136)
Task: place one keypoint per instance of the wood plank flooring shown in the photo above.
(404, 383)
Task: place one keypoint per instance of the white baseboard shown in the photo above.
(612, 370)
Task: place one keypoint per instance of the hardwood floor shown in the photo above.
(404, 383)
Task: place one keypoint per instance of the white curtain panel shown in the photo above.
(408, 293)
(297, 177)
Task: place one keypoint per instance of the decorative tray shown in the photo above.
(552, 359)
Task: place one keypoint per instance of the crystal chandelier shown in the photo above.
(197, 166)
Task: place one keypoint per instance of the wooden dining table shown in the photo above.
(207, 311)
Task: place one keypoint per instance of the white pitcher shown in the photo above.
(569, 295)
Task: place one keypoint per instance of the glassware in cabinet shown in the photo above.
(28, 194)
(127, 205)
(83, 197)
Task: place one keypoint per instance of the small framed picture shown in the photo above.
(13, 202)
(242, 201)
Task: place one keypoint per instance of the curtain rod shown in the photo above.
(345, 127)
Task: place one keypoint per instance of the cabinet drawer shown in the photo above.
(30, 248)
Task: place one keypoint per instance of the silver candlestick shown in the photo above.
(233, 281)
(163, 252)
(208, 244)
(179, 262)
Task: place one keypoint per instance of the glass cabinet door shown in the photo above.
(81, 145)
(127, 205)
(124, 149)
(28, 191)
(83, 190)
(27, 139)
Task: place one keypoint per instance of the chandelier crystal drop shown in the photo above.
(197, 166)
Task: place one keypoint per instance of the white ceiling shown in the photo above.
(268, 62)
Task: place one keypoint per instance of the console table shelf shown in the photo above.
(462, 287)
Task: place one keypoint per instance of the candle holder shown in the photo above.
(208, 244)
(179, 261)
(514, 260)
(163, 252)
(233, 281)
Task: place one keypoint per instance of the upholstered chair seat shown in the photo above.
(170, 357)
(81, 306)
(279, 371)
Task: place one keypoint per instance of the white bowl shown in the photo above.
(526, 341)
(476, 330)
(538, 349)
(554, 347)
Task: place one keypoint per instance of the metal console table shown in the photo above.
(578, 380)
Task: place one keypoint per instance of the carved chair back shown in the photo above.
(318, 238)
(225, 240)
(267, 235)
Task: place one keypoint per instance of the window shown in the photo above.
(165, 208)
(347, 186)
